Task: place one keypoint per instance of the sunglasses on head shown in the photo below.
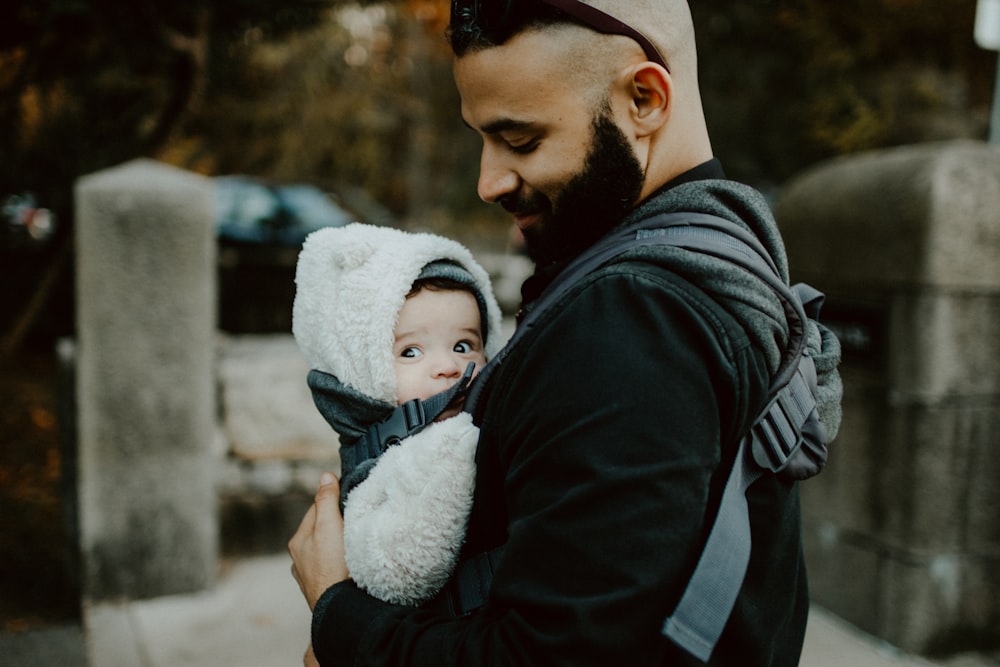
(497, 15)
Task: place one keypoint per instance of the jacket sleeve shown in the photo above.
(605, 431)
(405, 524)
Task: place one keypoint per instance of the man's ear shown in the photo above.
(652, 95)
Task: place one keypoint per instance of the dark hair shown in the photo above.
(466, 33)
(478, 24)
(439, 284)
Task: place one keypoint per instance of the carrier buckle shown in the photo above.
(400, 424)
(777, 435)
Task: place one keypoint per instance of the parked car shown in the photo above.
(249, 210)
(25, 224)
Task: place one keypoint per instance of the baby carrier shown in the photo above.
(786, 439)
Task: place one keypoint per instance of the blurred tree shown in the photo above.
(359, 95)
(90, 83)
(790, 82)
(363, 100)
(86, 84)
(367, 101)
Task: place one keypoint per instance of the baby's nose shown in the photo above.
(449, 368)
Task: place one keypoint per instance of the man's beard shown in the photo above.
(592, 202)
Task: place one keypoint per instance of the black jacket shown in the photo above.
(606, 438)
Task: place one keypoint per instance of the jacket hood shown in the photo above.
(350, 285)
(743, 295)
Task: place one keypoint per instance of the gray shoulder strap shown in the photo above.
(707, 602)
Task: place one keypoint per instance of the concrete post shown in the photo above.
(145, 245)
(902, 532)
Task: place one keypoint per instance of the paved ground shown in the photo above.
(256, 618)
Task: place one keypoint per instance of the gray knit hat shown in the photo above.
(452, 272)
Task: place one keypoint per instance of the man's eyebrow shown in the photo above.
(503, 125)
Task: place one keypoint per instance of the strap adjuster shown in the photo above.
(777, 434)
(469, 586)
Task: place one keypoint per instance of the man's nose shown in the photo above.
(496, 179)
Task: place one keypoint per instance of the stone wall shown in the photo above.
(903, 538)
(274, 443)
(145, 250)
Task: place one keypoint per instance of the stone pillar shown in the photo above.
(145, 252)
(902, 529)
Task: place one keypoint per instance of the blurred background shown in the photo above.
(326, 110)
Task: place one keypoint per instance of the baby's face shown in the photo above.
(437, 334)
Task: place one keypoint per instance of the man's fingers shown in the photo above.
(328, 485)
(327, 502)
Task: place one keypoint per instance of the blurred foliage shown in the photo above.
(358, 96)
(790, 82)
(364, 99)
(85, 84)
(347, 93)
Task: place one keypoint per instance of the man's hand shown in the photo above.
(309, 659)
(317, 548)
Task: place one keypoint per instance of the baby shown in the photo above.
(385, 317)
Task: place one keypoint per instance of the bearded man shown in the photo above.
(609, 431)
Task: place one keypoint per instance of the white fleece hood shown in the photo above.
(350, 285)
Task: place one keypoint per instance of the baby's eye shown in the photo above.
(463, 347)
(410, 352)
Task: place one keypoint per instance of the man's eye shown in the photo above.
(523, 148)
(410, 352)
